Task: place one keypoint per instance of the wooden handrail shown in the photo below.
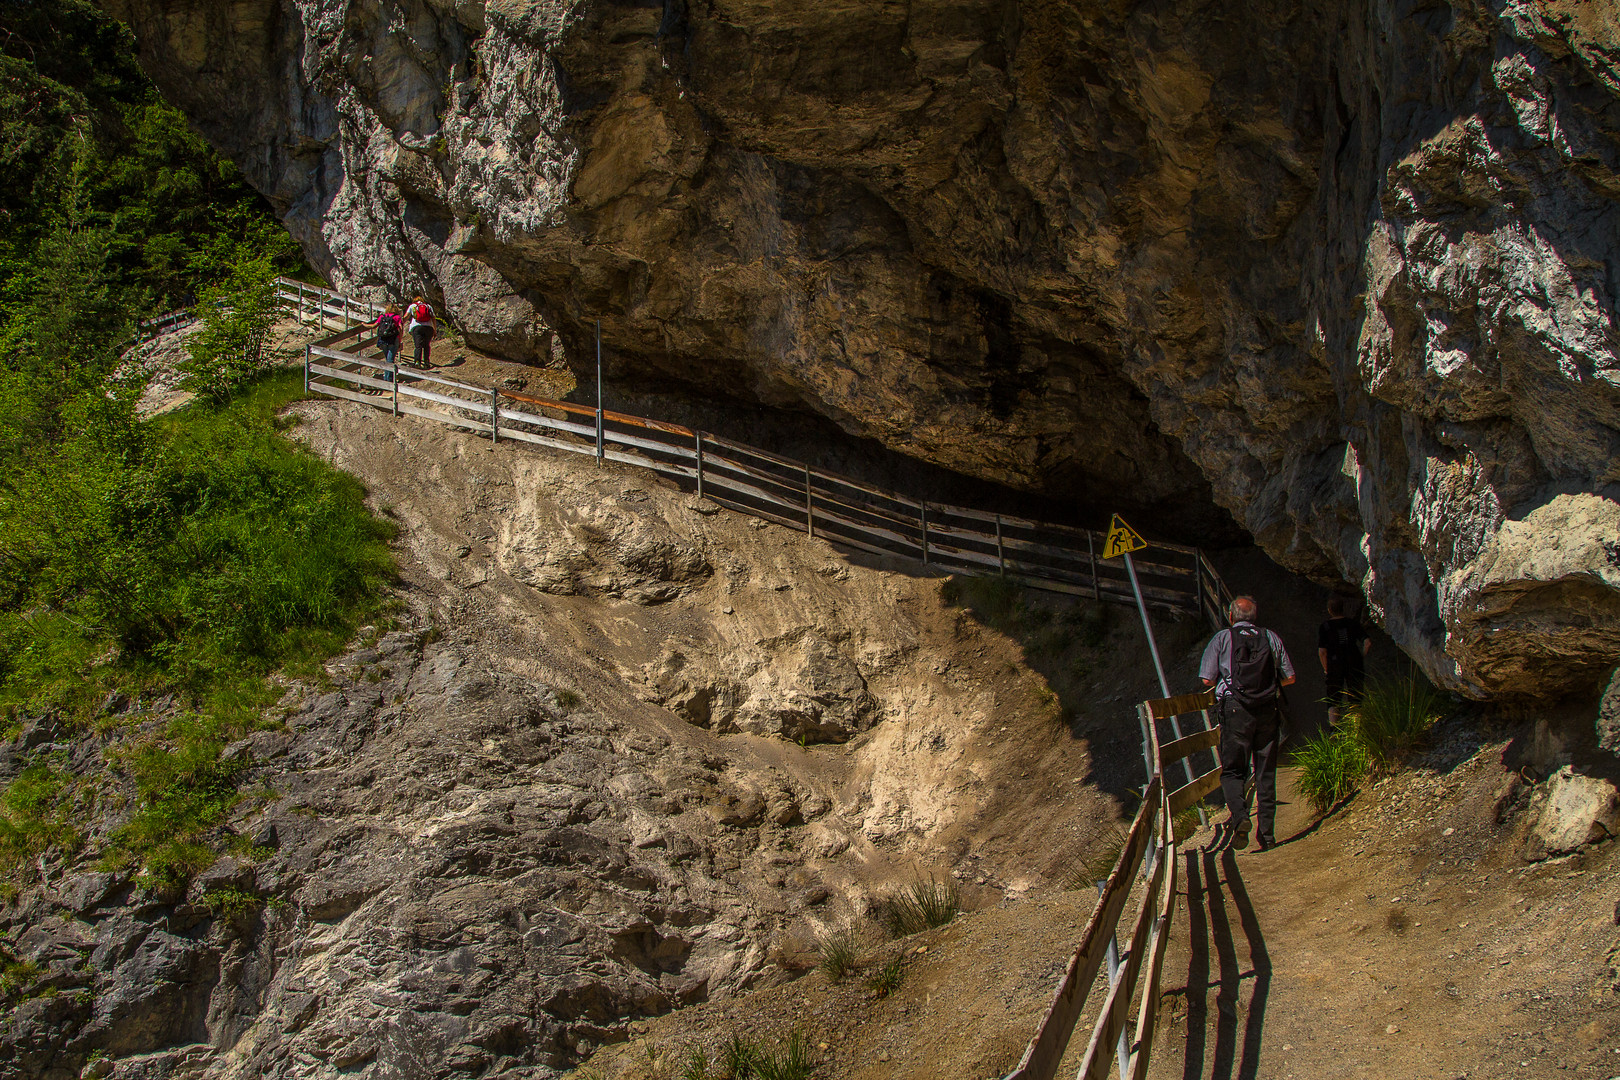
(1043, 555)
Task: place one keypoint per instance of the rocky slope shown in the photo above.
(624, 751)
(1345, 267)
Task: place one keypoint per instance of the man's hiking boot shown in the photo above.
(1240, 837)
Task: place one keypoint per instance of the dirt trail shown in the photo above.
(1400, 937)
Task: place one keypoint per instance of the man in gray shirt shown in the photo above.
(1248, 667)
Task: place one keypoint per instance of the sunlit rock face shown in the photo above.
(1343, 269)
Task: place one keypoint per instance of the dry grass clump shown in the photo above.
(918, 907)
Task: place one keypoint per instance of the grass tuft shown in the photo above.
(737, 1057)
(918, 907)
(1393, 716)
(790, 1062)
(840, 954)
(1331, 765)
(695, 1065)
(886, 980)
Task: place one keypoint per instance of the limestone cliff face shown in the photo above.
(1346, 266)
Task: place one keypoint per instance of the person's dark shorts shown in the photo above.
(1345, 689)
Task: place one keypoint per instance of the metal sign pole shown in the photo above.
(1158, 666)
(599, 431)
(1147, 624)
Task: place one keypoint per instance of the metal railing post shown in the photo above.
(809, 504)
(1001, 556)
(395, 380)
(700, 463)
(923, 509)
(306, 369)
(494, 414)
(1122, 1047)
(601, 449)
(1091, 557)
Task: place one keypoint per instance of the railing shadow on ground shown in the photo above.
(1215, 894)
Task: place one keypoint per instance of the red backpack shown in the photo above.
(422, 313)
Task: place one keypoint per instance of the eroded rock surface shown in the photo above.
(1347, 266)
(494, 836)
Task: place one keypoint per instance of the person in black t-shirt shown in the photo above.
(1342, 645)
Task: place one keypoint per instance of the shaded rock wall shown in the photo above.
(1345, 268)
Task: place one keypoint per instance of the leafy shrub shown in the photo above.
(839, 953)
(1393, 715)
(236, 314)
(918, 907)
(1331, 765)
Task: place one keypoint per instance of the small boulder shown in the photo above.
(1578, 810)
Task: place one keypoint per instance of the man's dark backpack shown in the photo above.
(1254, 668)
(388, 332)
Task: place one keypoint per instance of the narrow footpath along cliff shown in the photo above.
(1345, 270)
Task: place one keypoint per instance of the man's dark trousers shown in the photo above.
(1249, 747)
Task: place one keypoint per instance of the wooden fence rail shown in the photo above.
(841, 509)
(1151, 846)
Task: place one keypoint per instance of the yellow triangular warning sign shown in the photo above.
(1121, 539)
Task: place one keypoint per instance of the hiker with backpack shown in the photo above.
(420, 325)
(388, 331)
(1342, 645)
(1248, 667)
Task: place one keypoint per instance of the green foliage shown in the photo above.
(918, 907)
(36, 815)
(840, 954)
(232, 902)
(695, 1065)
(184, 789)
(236, 314)
(886, 980)
(745, 1059)
(737, 1057)
(87, 143)
(17, 978)
(199, 549)
(1393, 715)
(789, 1062)
(1331, 765)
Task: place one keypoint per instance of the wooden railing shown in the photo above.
(146, 330)
(845, 511)
(1150, 846)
